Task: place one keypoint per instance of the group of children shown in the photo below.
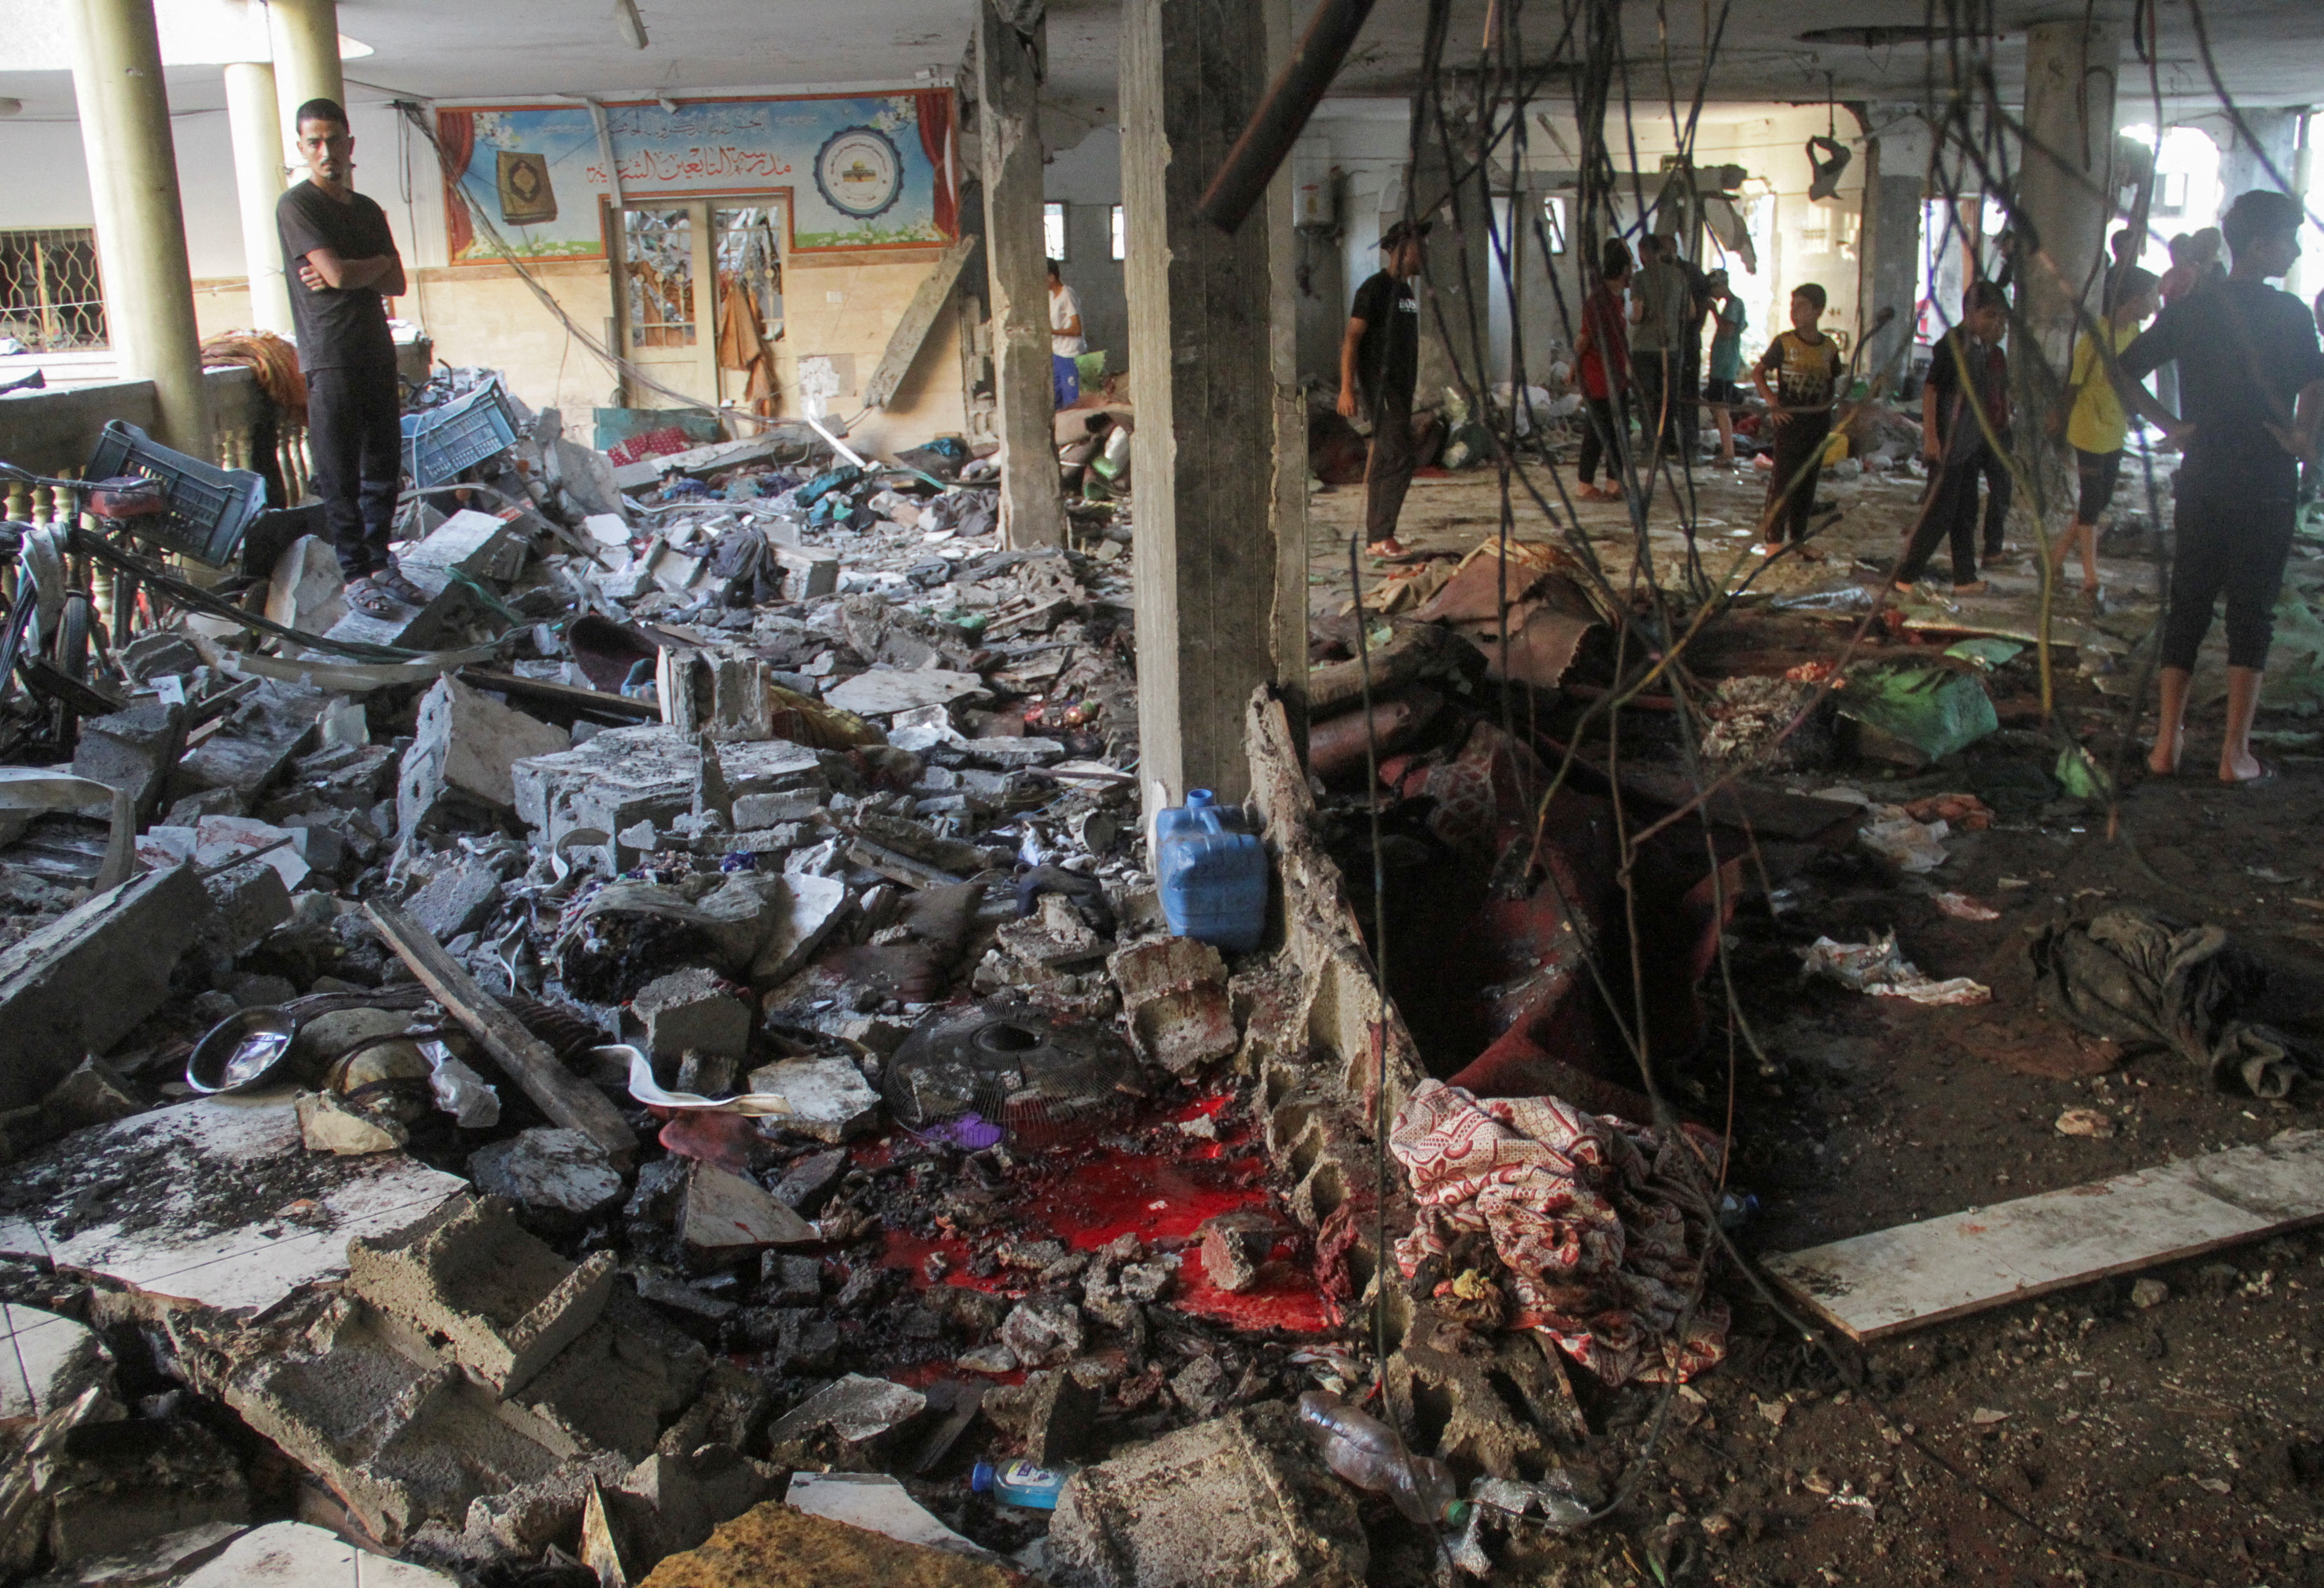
(2241, 376)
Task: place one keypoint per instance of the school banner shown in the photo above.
(868, 170)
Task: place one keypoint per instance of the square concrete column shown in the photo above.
(1009, 69)
(1203, 375)
(1278, 214)
(2066, 176)
(1896, 166)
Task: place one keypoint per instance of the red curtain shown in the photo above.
(936, 143)
(455, 139)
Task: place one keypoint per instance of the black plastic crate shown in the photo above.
(210, 507)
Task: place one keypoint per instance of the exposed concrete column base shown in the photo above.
(305, 35)
(1008, 123)
(1201, 372)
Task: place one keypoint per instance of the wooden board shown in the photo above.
(920, 316)
(1891, 1280)
(564, 1097)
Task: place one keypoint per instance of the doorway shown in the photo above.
(677, 335)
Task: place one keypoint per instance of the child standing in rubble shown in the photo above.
(1964, 426)
(2093, 423)
(1806, 367)
(1601, 359)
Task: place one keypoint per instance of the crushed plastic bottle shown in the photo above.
(1371, 1455)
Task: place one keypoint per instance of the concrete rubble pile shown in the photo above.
(709, 1025)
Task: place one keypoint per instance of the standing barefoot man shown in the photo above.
(2251, 381)
(1380, 358)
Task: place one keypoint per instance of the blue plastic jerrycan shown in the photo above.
(1213, 875)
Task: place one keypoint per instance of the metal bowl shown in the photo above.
(242, 1050)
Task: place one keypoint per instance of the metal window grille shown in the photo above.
(50, 295)
(660, 262)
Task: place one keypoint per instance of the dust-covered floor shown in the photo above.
(2094, 1438)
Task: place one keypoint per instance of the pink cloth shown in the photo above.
(1604, 1226)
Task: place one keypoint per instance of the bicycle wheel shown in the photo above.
(71, 659)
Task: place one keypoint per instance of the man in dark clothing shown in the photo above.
(1379, 357)
(1964, 411)
(2251, 384)
(341, 260)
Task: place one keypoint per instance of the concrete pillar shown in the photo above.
(1457, 268)
(306, 38)
(1009, 119)
(2066, 176)
(2243, 163)
(141, 228)
(1201, 372)
(1277, 213)
(257, 130)
(1895, 166)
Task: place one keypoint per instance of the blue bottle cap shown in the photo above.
(980, 1477)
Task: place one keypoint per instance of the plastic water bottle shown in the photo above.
(1371, 1455)
(1212, 877)
(1019, 1483)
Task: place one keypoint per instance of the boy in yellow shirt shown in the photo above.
(2094, 425)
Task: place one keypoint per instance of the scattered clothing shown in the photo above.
(2136, 977)
(1603, 1225)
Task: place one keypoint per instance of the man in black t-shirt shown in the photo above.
(341, 261)
(2251, 392)
(1380, 358)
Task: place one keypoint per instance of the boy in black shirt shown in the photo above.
(341, 260)
(1380, 358)
(1966, 397)
(2251, 384)
(1798, 377)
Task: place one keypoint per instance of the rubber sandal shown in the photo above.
(367, 597)
(393, 581)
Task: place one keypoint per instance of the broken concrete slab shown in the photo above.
(115, 1484)
(882, 692)
(459, 897)
(481, 545)
(80, 983)
(250, 900)
(1042, 1330)
(217, 1202)
(692, 1008)
(1175, 994)
(624, 776)
(329, 1123)
(46, 1361)
(622, 1381)
(830, 1099)
(134, 751)
(776, 1546)
(308, 591)
(880, 1504)
(505, 1303)
(725, 1211)
(461, 753)
(157, 1563)
(255, 742)
(294, 1554)
(1506, 1406)
(557, 1172)
(1234, 1246)
(843, 1423)
(689, 1495)
(95, 1093)
(1241, 1501)
(398, 1435)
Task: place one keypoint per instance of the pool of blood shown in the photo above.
(1098, 1191)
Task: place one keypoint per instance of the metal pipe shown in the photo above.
(1283, 114)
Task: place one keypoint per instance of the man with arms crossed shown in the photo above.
(341, 260)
